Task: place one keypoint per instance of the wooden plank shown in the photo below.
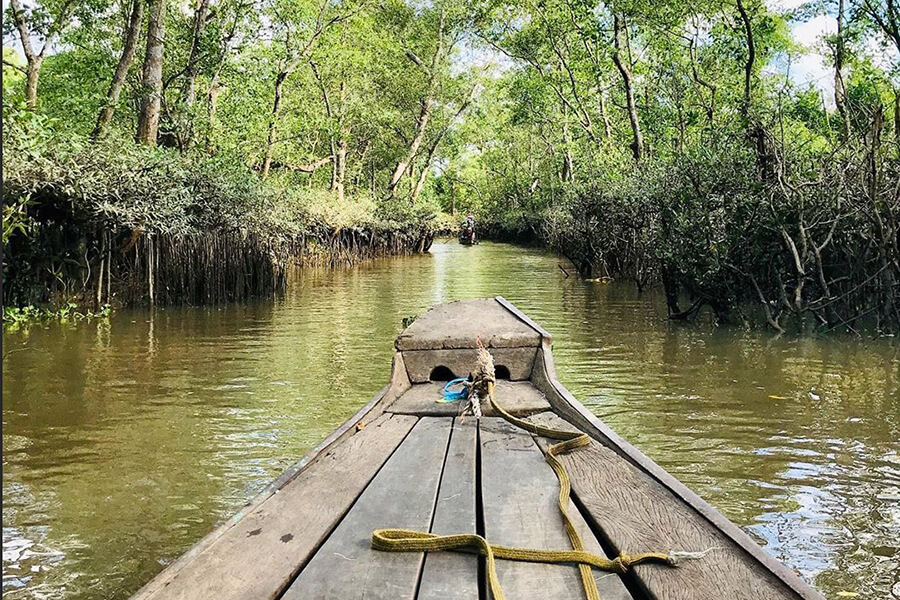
(519, 494)
(260, 555)
(372, 409)
(523, 317)
(458, 324)
(562, 401)
(451, 575)
(638, 514)
(519, 398)
(402, 495)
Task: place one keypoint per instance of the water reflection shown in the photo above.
(125, 442)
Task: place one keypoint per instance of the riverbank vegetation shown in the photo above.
(671, 143)
(188, 152)
(15, 318)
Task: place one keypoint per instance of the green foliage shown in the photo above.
(16, 219)
(76, 82)
(13, 75)
(15, 318)
(657, 141)
(158, 191)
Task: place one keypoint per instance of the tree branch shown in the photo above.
(302, 168)
(15, 66)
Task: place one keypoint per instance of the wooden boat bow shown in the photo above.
(405, 461)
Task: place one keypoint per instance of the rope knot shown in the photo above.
(621, 563)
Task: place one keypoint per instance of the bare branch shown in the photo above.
(14, 66)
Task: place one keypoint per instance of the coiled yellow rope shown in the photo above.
(403, 540)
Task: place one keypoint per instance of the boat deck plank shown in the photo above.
(262, 552)
(453, 575)
(519, 495)
(459, 324)
(519, 398)
(402, 495)
(638, 514)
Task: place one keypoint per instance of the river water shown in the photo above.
(125, 441)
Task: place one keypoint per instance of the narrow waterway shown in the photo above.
(124, 442)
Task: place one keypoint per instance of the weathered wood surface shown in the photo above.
(519, 494)
(638, 514)
(519, 398)
(259, 555)
(546, 335)
(419, 363)
(370, 411)
(457, 324)
(402, 495)
(452, 575)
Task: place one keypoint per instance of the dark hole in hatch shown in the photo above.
(501, 372)
(441, 373)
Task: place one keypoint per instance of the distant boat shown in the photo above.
(467, 235)
(408, 460)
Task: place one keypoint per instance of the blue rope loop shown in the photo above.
(451, 395)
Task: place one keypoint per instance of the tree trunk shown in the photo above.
(189, 86)
(151, 100)
(421, 124)
(695, 73)
(886, 15)
(212, 100)
(897, 118)
(423, 176)
(748, 65)
(212, 94)
(568, 168)
(333, 186)
(670, 286)
(118, 81)
(637, 144)
(338, 146)
(839, 90)
(886, 228)
(276, 106)
(33, 61)
(340, 171)
(607, 125)
(420, 183)
(33, 74)
(188, 90)
(340, 157)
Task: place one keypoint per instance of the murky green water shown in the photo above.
(123, 443)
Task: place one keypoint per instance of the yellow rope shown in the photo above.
(402, 540)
